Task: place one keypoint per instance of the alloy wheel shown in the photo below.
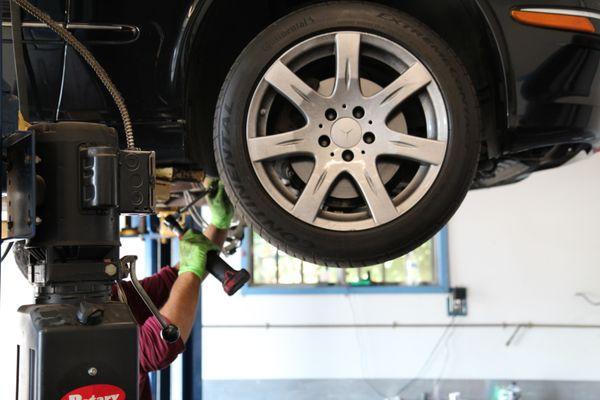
(347, 130)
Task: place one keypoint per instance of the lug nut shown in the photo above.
(330, 114)
(369, 137)
(358, 112)
(324, 141)
(347, 155)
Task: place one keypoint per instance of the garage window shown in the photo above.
(273, 271)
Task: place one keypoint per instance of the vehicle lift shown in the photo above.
(66, 185)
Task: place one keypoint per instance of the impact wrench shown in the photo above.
(231, 279)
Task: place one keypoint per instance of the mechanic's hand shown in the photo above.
(193, 248)
(221, 208)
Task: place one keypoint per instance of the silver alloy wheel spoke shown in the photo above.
(347, 52)
(423, 150)
(314, 193)
(380, 205)
(412, 80)
(287, 144)
(289, 85)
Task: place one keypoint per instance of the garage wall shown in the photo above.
(523, 251)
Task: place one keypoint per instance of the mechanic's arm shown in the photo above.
(159, 285)
(180, 308)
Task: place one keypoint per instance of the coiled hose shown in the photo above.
(89, 58)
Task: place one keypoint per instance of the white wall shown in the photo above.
(523, 251)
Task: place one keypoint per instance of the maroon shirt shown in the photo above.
(155, 353)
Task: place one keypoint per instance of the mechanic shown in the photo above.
(175, 292)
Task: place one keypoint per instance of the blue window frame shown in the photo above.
(438, 282)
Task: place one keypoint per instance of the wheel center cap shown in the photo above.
(346, 133)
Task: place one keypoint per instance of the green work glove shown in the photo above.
(193, 248)
(221, 208)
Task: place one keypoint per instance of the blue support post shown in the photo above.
(152, 258)
(164, 376)
(163, 384)
(158, 254)
(192, 359)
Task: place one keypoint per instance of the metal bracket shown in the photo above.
(21, 185)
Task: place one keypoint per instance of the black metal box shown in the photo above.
(136, 182)
(57, 355)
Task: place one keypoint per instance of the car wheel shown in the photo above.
(347, 133)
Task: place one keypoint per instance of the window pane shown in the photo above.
(375, 273)
(365, 275)
(264, 262)
(352, 275)
(415, 268)
(312, 273)
(290, 270)
(271, 267)
(335, 276)
(394, 271)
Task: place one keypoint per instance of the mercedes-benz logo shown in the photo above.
(346, 133)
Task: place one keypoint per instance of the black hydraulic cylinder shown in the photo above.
(77, 220)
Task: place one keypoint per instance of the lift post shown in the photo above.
(64, 203)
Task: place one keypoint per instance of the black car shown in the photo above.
(346, 132)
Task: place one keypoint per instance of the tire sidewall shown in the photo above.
(336, 247)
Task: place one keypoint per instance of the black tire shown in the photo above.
(358, 248)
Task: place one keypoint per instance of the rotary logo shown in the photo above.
(96, 392)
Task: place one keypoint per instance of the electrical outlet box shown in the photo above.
(137, 176)
(457, 302)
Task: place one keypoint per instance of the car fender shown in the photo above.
(508, 82)
(193, 17)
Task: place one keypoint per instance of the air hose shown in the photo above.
(90, 60)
